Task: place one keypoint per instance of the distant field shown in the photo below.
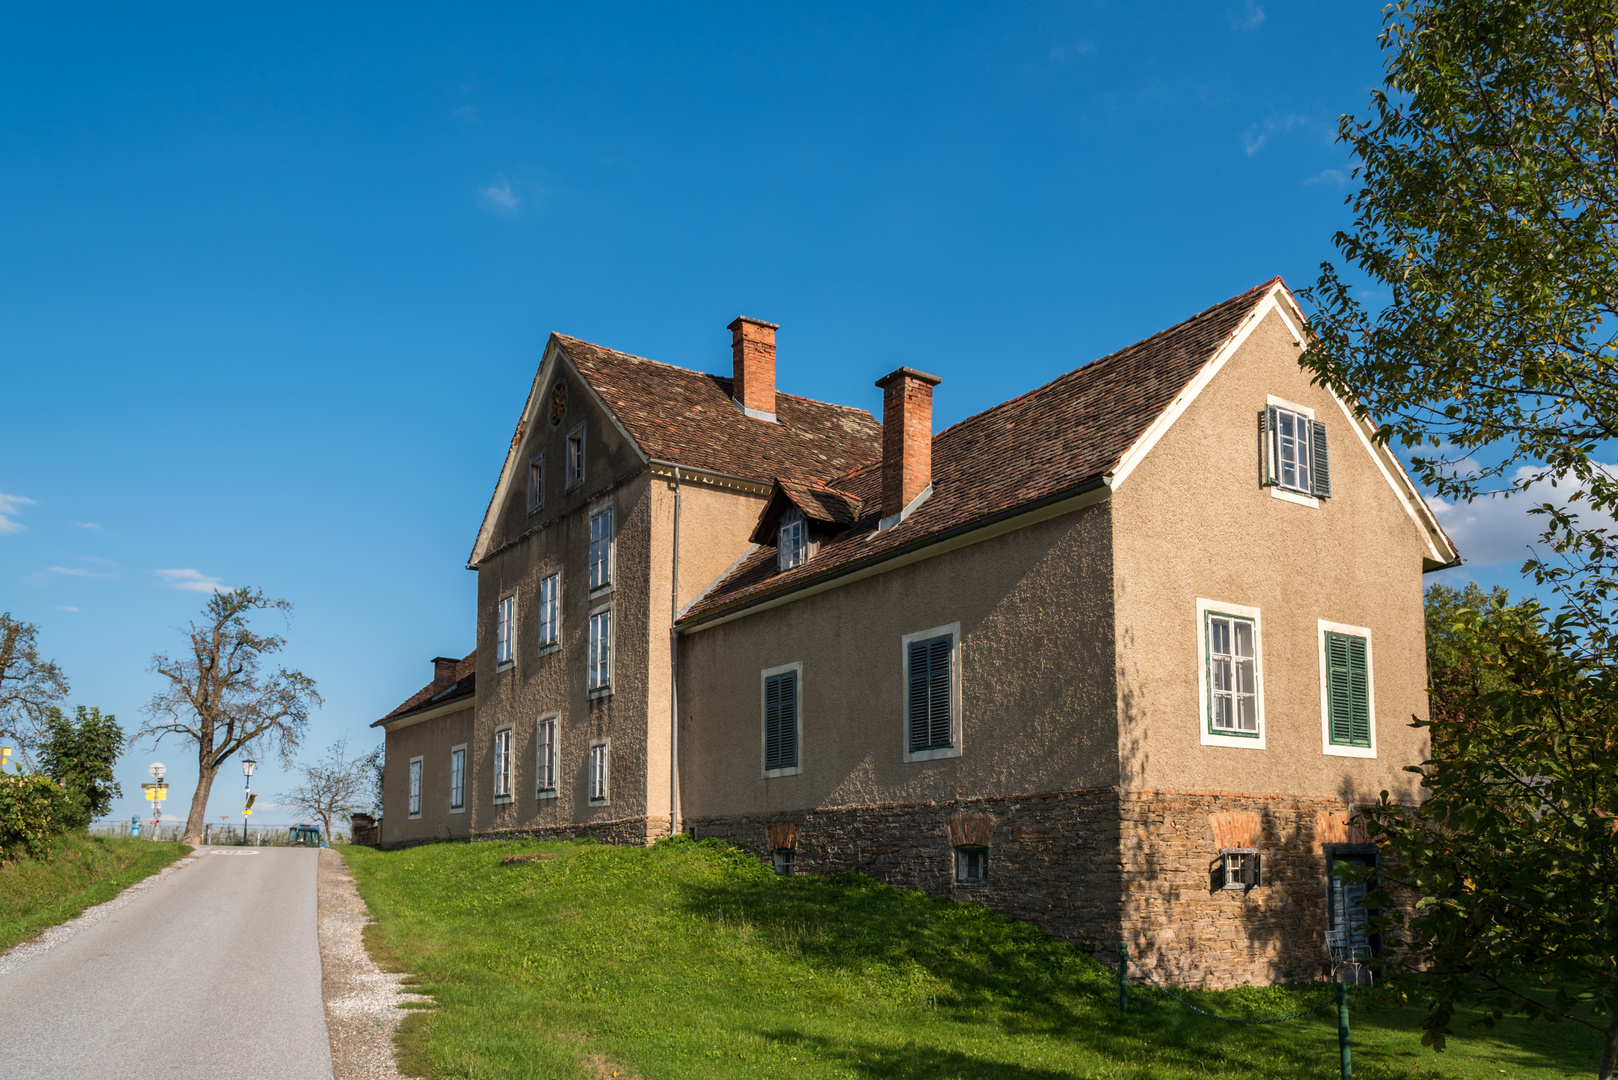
(82, 871)
(687, 961)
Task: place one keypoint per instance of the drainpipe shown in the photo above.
(674, 673)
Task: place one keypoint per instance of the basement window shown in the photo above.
(1242, 868)
(972, 865)
(783, 861)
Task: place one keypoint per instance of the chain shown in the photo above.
(1229, 1019)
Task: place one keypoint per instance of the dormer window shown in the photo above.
(792, 540)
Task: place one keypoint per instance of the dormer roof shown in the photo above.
(817, 502)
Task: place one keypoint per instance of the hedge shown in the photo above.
(33, 808)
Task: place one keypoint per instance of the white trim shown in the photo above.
(417, 771)
(1407, 494)
(511, 758)
(431, 714)
(1285, 495)
(1326, 746)
(462, 747)
(606, 772)
(756, 414)
(764, 677)
(910, 508)
(956, 746)
(554, 718)
(1212, 738)
(1289, 406)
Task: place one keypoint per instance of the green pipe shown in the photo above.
(1123, 977)
(1342, 1031)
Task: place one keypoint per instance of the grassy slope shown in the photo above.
(36, 894)
(679, 962)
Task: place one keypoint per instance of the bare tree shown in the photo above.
(29, 686)
(222, 698)
(333, 787)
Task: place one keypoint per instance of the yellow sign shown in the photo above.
(247, 811)
(156, 794)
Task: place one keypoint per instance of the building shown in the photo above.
(1118, 656)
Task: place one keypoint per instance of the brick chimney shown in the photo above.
(443, 671)
(907, 437)
(752, 351)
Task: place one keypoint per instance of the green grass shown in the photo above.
(688, 961)
(81, 871)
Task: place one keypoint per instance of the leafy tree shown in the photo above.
(1486, 227)
(29, 684)
(333, 787)
(79, 753)
(223, 697)
(375, 763)
(1451, 651)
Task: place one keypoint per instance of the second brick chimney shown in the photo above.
(443, 671)
(907, 437)
(752, 351)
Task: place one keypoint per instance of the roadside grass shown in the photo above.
(81, 871)
(689, 960)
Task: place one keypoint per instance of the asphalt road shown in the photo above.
(213, 972)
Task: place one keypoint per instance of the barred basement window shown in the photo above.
(1243, 868)
(783, 861)
(972, 865)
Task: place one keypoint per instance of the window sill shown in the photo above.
(574, 486)
(457, 809)
(1331, 750)
(1293, 497)
(505, 665)
(412, 817)
(599, 692)
(791, 770)
(598, 802)
(553, 647)
(550, 793)
(599, 590)
(934, 754)
(501, 800)
(1235, 742)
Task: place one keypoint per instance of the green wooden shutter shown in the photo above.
(1348, 690)
(918, 695)
(1320, 467)
(929, 691)
(772, 722)
(781, 721)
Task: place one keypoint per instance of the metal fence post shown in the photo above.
(1342, 1031)
(1123, 977)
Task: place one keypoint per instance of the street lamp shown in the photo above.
(248, 765)
(157, 769)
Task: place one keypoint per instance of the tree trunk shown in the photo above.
(199, 804)
(1609, 1053)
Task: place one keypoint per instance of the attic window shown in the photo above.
(575, 457)
(792, 540)
(536, 483)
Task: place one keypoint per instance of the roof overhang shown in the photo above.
(430, 712)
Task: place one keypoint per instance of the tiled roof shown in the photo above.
(1070, 431)
(687, 417)
(465, 678)
(817, 501)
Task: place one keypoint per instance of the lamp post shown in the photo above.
(248, 765)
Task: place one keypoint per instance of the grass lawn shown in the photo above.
(687, 960)
(36, 894)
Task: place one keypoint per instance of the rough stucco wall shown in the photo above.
(1193, 520)
(1037, 708)
(432, 740)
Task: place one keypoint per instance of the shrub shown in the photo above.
(79, 753)
(33, 808)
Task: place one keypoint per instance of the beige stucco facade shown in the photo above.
(429, 739)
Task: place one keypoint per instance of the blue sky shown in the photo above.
(275, 282)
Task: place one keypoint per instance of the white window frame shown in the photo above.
(1209, 736)
(796, 526)
(605, 748)
(602, 688)
(1291, 495)
(1326, 745)
(505, 631)
(554, 578)
(957, 744)
(413, 792)
(796, 667)
(574, 466)
(506, 732)
(602, 513)
(555, 764)
(461, 750)
(536, 483)
(1241, 880)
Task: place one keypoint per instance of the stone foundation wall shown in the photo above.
(637, 831)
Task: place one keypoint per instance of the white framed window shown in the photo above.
(931, 668)
(598, 679)
(545, 757)
(792, 540)
(781, 708)
(415, 787)
(601, 548)
(1347, 691)
(457, 779)
(1241, 868)
(502, 764)
(1230, 675)
(1297, 467)
(972, 865)
(575, 457)
(550, 613)
(598, 771)
(505, 629)
(536, 482)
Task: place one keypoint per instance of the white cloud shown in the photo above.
(78, 571)
(1249, 18)
(1495, 530)
(1332, 177)
(92, 526)
(499, 198)
(1278, 124)
(8, 506)
(65, 607)
(192, 581)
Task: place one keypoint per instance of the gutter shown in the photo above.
(674, 672)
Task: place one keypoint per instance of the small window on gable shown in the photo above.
(1241, 868)
(536, 483)
(792, 539)
(1295, 452)
(575, 457)
(972, 865)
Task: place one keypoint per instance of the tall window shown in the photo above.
(575, 457)
(545, 763)
(781, 720)
(502, 764)
(598, 771)
(792, 540)
(601, 548)
(536, 482)
(415, 787)
(1232, 675)
(600, 673)
(928, 697)
(505, 629)
(550, 611)
(1348, 690)
(1295, 456)
(457, 778)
